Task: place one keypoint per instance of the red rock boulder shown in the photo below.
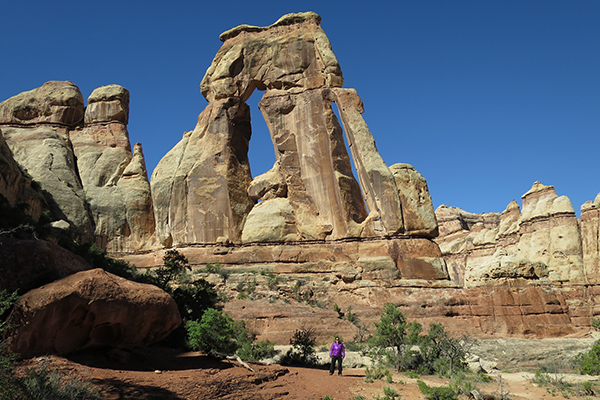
(91, 308)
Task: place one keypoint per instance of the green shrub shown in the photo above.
(215, 334)
(257, 351)
(437, 393)
(217, 268)
(375, 372)
(389, 394)
(412, 375)
(441, 353)
(393, 338)
(47, 384)
(194, 298)
(303, 343)
(589, 363)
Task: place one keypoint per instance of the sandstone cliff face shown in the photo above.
(82, 159)
(590, 236)
(542, 243)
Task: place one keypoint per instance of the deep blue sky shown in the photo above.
(482, 97)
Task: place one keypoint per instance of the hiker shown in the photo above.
(336, 353)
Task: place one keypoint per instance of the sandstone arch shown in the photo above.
(201, 187)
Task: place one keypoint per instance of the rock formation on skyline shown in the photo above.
(81, 158)
(544, 241)
(316, 196)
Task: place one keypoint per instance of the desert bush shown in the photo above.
(549, 377)
(388, 394)
(48, 384)
(395, 342)
(589, 363)
(441, 353)
(393, 338)
(257, 351)
(194, 298)
(437, 393)
(373, 373)
(215, 333)
(303, 351)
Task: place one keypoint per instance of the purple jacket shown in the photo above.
(337, 349)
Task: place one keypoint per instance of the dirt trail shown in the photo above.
(159, 373)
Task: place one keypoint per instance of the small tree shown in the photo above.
(441, 353)
(303, 351)
(174, 265)
(393, 338)
(214, 334)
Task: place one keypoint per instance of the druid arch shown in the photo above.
(203, 190)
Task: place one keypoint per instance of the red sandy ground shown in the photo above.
(160, 373)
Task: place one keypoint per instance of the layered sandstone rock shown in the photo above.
(590, 236)
(541, 242)
(311, 193)
(200, 186)
(115, 181)
(89, 309)
(91, 179)
(36, 125)
(294, 53)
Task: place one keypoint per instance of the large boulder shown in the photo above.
(417, 207)
(88, 309)
(55, 102)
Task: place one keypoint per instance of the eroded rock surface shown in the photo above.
(91, 308)
(311, 193)
(82, 160)
(15, 186)
(115, 181)
(541, 242)
(36, 125)
(200, 186)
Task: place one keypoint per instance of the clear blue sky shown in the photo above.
(482, 97)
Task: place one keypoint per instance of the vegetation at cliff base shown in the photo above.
(402, 345)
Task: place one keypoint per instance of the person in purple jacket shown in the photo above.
(336, 353)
